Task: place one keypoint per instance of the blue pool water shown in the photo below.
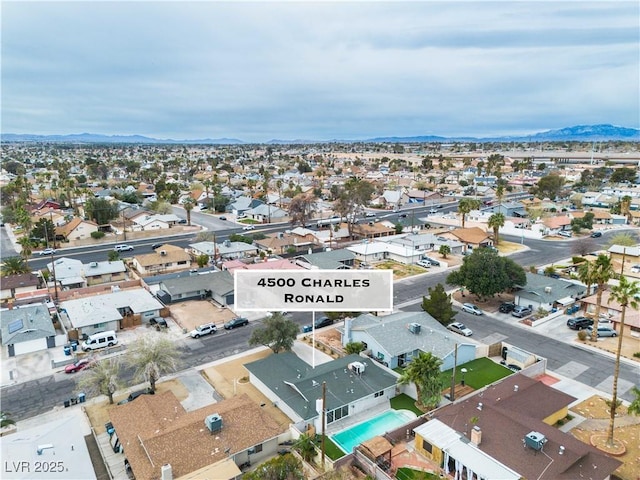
(355, 435)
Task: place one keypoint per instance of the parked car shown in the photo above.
(133, 395)
(603, 331)
(319, 323)
(236, 322)
(46, 251)
(460, 328)
(123, 248)
(423, 263)
(369, 214)
(158, 321)
(222, 217)
(506, 307)
(471, 308)
(402, 215)
(578, 323)
(596, 234)
(635, 269)
(433, 262)
(182, 221)
(78, 365)
(433, 210)
(204, 329)
(565, 233)
(155, 246)
(521, 311)
(248, 227)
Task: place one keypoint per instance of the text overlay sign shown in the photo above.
(314, 290)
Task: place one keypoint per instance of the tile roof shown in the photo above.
(473, 235)
(173, 255)
(155, 430)
(508, 414)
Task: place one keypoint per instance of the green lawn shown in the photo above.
(405, 473)
(332, 451)
(405, 402)
(480, 372)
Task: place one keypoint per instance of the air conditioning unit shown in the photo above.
(415, 328)
(535, 440)
(93, 264)
(213, 422)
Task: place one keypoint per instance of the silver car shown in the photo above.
(471, 308)
(460, 328)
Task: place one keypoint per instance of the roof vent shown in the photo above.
(479, 407)
(213, 422)
(93, 264)
(415, 328)
(561, 451)
(547, 289)
(515, 388)
(166, 472)
(535, 440)
(163, 252)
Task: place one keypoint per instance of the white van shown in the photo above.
(100, 340)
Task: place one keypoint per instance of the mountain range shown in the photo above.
(578, 133)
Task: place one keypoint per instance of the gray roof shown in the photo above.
(304, 384)
(26, 323)
(391, 332)
(267, 211)
(330, 259)
(219, 282)
(545, 289)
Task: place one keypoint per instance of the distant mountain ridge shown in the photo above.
(583, 133)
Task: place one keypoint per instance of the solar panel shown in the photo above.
(15, 326)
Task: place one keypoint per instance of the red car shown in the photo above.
(78, 365)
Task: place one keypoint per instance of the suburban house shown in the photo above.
(612, 310)
(226, 250)
(167, 258)
(282, 242)
(111, 311)
(557, 224)
(631, 255)
(510, 209)
(508, 432)
(97, 273)
(241, 204)
(353, 385)
(372, 230)
(27, 329)
(426, 242)
(21, 282)
(425, 197)
(266, 264)
(215, 285)
(395, 339)
(329, 260)
(473, 237)
(378, 250)
(71, 273)
(145, 222)
(76, 229)
(160, 439)
(547, 292)
(266, 213)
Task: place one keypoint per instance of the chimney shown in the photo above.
(166, 472)
(347, 330)
(476, 435)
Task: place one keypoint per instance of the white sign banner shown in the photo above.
(313, 290)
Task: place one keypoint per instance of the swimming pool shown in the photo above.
(355, 435)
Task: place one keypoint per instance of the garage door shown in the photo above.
(30, 346)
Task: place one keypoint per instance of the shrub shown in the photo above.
(576, 260)
(637, 354)
(97, 235)
(582, 335)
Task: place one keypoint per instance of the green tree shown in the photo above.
(161, 207)
(305, 447)
(202, 260)
(151, 356)
(103, 378)
(113, 256)
(354, 347)
(27, 247)
(444, 250)
(626, 294)
(634, 406)
(277, 333)
(398, 228)
(621, 175)
(45, 230)
(549, 186)
(6, 420)
(587, 275)
(496, 222)
(14, 266)
(603, 272)
(466, 205)
(424, 372)
(100, 210)
(439, 305)
(284, 467)
(484, 274)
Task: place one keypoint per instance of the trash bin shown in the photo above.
(67, 403)
(74, 346)
(67, 350)
(81, 397)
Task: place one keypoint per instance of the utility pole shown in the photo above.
(452, 393)
(324, 417)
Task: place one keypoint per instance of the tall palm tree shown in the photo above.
(466, 205)
(500, 192)
(14, 266)
(27, 247)
(151, 356)
(188, 206)
(626, 294)
(424, 372)
(586, 274)
(602, 274)
(496, 221)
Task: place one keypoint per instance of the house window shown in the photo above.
(337, 414)
(257, 448)
(426, 446)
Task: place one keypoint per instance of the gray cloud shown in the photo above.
(258, 71)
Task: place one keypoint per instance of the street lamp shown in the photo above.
(463, 371)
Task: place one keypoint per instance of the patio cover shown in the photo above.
(377, 447)
(566, 301)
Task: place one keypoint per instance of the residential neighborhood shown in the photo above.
(118, 287)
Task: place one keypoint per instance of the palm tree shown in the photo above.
(602, 274)
(188, 206)
(496, 221)
(500, 193)
(466, 205)
(626, 294)
(151, 356)
(305, 447)
(14, 266)
(424, 372)
(102, 378)
(27, 247)
(586, 274)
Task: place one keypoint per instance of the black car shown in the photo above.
(236, 322)
(579, 323)
(155, 246)
(507, 307)
(596, 234)
(133, 395)
(320, 322)
(158, 321)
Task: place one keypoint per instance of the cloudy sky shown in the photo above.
(317, 70)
